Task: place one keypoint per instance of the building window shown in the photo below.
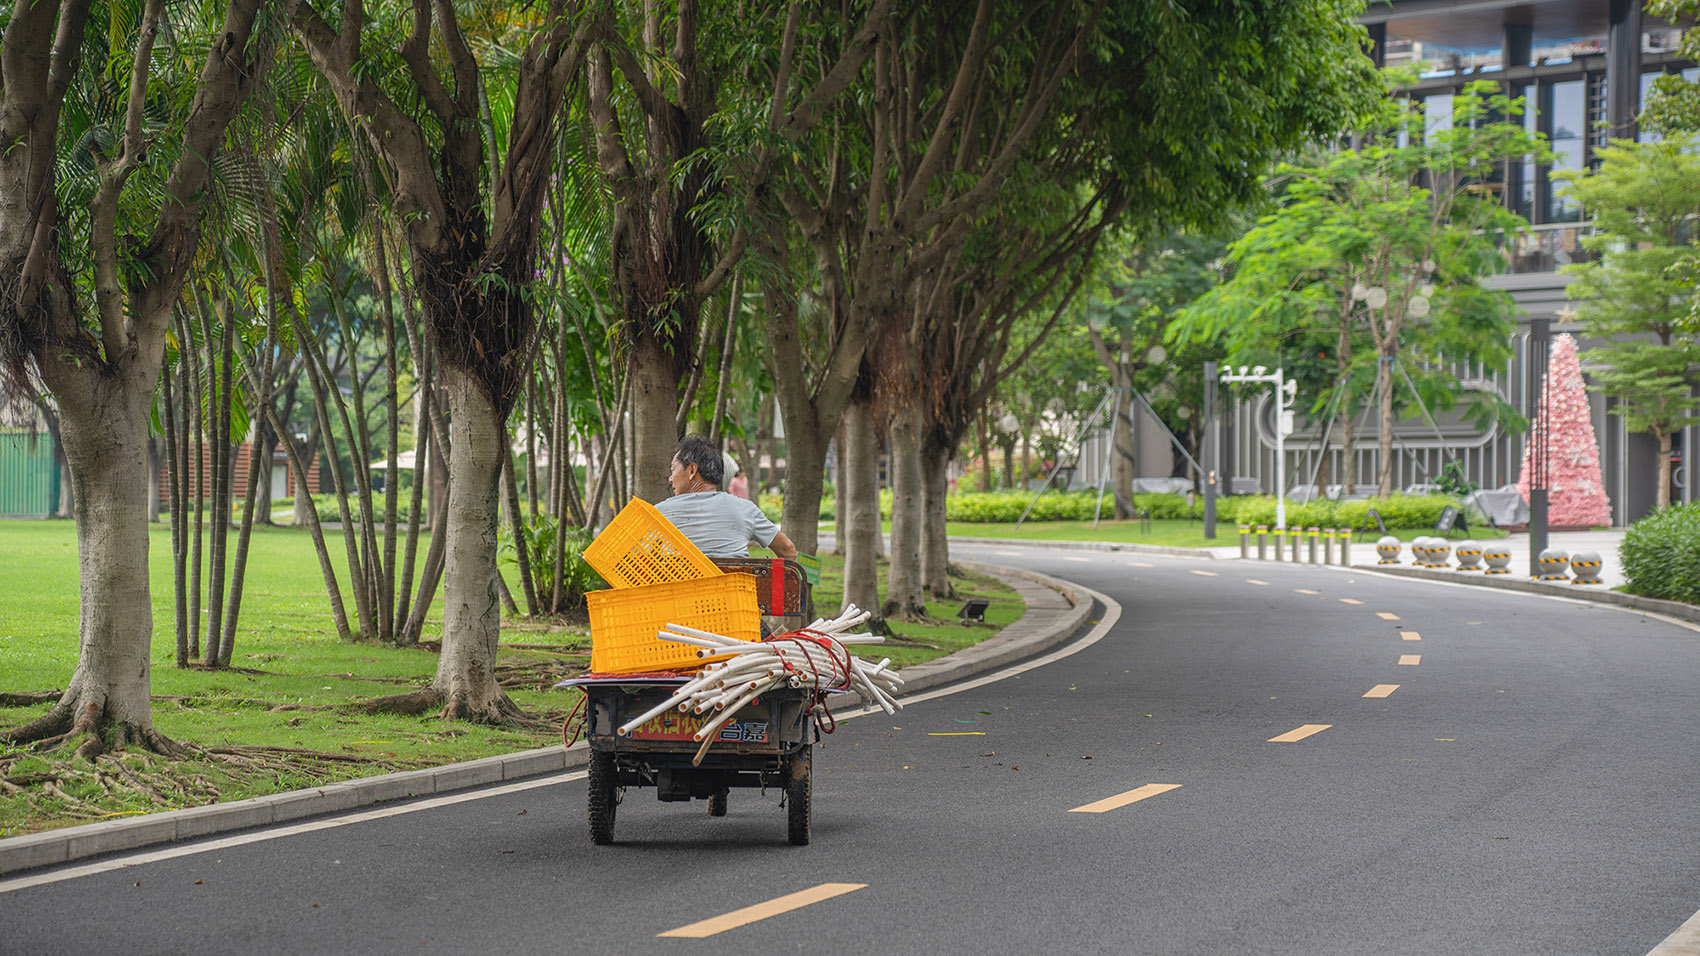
(1569, 124)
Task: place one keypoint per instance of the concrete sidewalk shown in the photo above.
(1055, 611)
(1604, 543)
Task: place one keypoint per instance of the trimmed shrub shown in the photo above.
(1661, 555)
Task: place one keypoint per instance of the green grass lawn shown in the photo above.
(280, 704)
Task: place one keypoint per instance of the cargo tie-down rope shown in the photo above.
(814, 658)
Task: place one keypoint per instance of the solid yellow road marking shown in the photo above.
(1257, 582)
(1122, 800)
(1410, 658)
(1299, 733)
(1304, 591)
(1382, 690)
(761, 911)
(1208, 574)
(1350, 601)
(1410, 636)
(1386, 616)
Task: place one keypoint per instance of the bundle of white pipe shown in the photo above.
(814, 658)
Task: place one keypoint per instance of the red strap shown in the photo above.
(776, 574)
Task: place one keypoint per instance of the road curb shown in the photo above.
(1676, 609)
(1045, 624)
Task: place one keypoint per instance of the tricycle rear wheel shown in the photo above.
(799, 796)
(603, 797)
(717, 803)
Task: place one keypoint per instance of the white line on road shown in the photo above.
(169, 853)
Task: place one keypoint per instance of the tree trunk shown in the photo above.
(858, 501)
(654, 411)
(105, 704)
(472, 617)
(1122, 438)
(935, 544)
(1664, 437)
(239, 570)
(805, 467)
(1384, 375)
(153, 481)
(838, 496)
(1349, 451)
(903, 597)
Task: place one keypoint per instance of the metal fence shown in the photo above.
(29, 475)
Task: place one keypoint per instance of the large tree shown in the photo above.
(100, 202)
(709, 99)
(1383, 249)
(1643, 197)
(466, 149)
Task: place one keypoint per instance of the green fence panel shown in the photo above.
(28, 475)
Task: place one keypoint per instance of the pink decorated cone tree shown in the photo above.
(1576, 494)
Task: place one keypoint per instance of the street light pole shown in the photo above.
(1285, 392)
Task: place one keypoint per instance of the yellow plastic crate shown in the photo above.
(623, 621)
(640, 546)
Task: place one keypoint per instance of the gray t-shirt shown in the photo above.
(722, 525)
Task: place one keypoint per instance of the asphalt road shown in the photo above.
(1527, 787)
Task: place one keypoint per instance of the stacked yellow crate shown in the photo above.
(658, 577)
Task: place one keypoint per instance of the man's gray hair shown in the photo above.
(696, 450)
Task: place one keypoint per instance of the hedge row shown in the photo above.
(1661, 555)
(1005, 507)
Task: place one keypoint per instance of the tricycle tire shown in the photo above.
(603, 798)
(799, 796)
(717, 804)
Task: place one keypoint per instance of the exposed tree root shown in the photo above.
(453, 707)
(410, 704)
(536, 675)
(28, 699)
(895, 638)
(88, 730)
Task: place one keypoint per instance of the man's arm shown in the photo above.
(782, 546)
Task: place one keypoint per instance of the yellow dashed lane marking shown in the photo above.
(1382, 690)
(1208, 574)
(761, 911)
(1078, 560)
(1299, 733)
(1386, 616)
(1410, 636)
(1141, 564)
(1350, 601)
(1121, 800)
(1410, 659)
(1257, 582)
(1305, 591)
